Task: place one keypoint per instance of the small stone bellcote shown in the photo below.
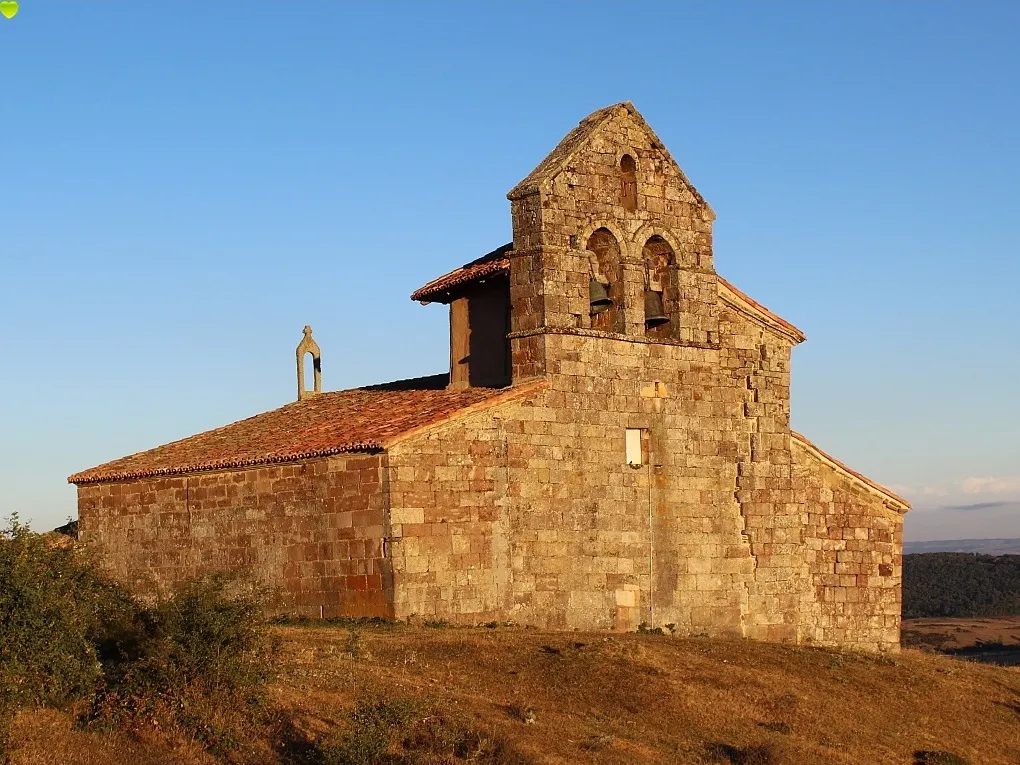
(308, 345)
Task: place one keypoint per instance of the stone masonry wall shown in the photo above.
(712, 535)
(312, 530)
(853, 548)
(528, 512)
(756, 363)
(533, 509)
(713, 515)
(662, 543)
(450, 535)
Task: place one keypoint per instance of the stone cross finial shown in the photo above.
(308, 345)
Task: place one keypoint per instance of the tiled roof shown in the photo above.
(359, 420)
(438, 290)
(897, 501)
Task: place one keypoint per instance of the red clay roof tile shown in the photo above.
(359, 420)
(437, 290)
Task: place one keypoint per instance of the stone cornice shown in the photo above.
(890, 500)
(755, 310)
(595, 333)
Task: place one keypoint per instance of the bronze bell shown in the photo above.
(655, 315)
(598, 297)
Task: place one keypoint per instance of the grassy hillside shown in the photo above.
(982, 633)
(960, 585)
(513, 696)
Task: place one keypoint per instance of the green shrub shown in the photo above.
(211, 635)
(199, 662)
(72, 638)
(373, 726)
(56, 611)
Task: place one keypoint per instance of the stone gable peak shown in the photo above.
(588, 132)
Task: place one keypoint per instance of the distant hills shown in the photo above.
(983, 546)
(952, 584)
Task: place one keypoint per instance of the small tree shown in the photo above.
(71, 637)
(54, 606)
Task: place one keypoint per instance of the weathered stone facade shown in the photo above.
(530, 505)
(314, 530)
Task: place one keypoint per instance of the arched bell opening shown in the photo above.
(661, 298)
(308, 366)
(605, 282)
(628, 183)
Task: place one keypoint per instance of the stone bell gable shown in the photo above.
(610, 203)
(610, 448)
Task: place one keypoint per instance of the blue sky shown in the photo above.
(184, 185)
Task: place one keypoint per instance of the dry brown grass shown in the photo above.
(956, 633)
(578, 698)
(46, 737)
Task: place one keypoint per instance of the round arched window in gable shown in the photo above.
(628, 183)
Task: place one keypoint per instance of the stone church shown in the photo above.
(610, 448)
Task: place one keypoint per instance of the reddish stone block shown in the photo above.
(357, 583)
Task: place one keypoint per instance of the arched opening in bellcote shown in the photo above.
(662, 299)
(605, 281)
(309, 366)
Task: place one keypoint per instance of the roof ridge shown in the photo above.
(756, 309)
(491, 263)
(352, 420)
(850, 472)
(563, 150)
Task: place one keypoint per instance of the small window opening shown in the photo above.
(308, 362)
(628, 183)
(635, 447)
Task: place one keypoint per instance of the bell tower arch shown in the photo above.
(308, 346)
(612, 241)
